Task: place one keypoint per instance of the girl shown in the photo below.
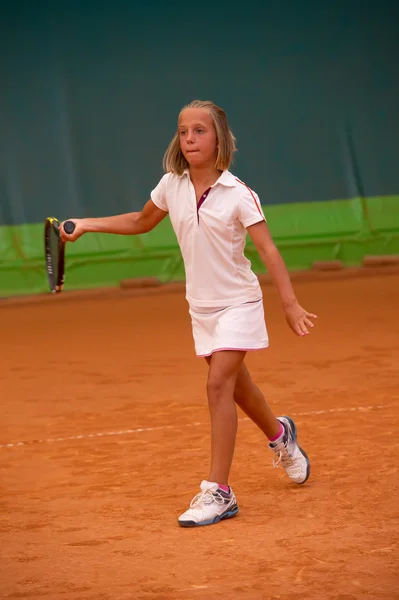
(211, 212)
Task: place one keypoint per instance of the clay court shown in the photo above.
(105, 439)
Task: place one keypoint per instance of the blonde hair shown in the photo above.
(174, 161)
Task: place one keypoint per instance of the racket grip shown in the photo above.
(69, 227)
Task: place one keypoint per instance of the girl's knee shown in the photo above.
(217, 387)
(214, 386)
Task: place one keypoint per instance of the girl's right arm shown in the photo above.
(128, 224)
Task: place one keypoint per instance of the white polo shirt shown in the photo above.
(212, 237)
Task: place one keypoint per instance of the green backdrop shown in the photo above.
(89, 97)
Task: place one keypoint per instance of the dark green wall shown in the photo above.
(90, 92)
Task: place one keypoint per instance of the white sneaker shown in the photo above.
(291, 456)
(210, 506)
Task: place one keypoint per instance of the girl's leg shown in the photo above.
(251, 400)
(223, 369)
(281, 432)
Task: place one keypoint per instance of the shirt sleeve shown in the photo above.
(249, 209)
(158, 194)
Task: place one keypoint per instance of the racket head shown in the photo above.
(54, 255)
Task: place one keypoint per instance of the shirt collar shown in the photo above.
(226, 178)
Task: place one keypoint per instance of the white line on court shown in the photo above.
(87, 436)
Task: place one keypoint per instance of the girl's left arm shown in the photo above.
(297, 317)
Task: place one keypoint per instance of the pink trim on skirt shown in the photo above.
(234, 349)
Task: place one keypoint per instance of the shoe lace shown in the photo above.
(206, 497)
(283, 457)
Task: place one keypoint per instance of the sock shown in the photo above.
(278, 436)
(224, 488)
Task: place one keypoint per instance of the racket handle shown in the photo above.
(69, 227)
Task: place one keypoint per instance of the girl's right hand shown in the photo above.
(79, 231)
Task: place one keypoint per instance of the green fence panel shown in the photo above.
(383, 213)
(344, 229)
(309, 220)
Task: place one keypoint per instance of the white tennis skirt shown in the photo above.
(240, 327)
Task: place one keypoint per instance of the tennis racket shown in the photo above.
(55, 252)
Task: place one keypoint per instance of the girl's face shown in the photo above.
(198, 140)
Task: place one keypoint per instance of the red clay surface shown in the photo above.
(109, 401)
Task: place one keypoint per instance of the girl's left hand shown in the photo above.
(299, 319)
